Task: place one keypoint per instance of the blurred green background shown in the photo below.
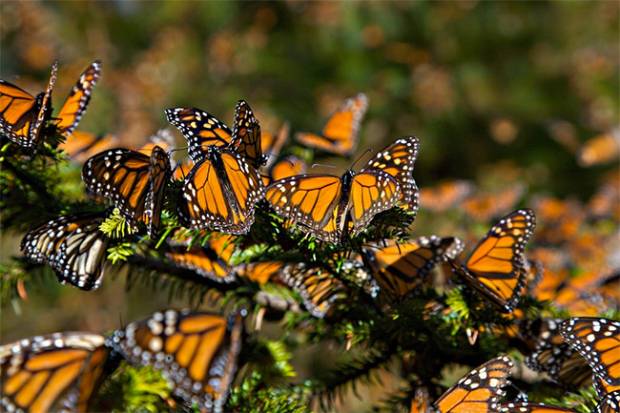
(498, 92)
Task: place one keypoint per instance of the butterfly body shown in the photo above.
(220, 193)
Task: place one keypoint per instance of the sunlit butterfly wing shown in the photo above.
(497, 266)
(554, 356)
(445, 195)
(318, 288)
(211, 260)
(603, 388)
(133, 181)
(220, 193)
(181, 170)
(526, 407)
(601, 149)
(287, 167)
(398, 268)
(195, 351)
(201, 130)
(398, 160)
(340, 134)
(478, 391)
(22, 115)
(74, 107)
(82, 145)
(271, 144)
(56, 372)
(259, 272)
(598, 341)
(162, 138)
(73, 246)
(247, 134)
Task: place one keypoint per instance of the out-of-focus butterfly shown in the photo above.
(162, 138)
(526, 407)
(331, 207)
(598, 341)
(73, 246)
(271, 144)
(133, 181)
(601, 149)
(485, 206)
(76, 103)
(260, 272)
(22, 115)
(560, 219)
(195, 351)
(203, 130)
(555, 357)
(478, 391)
(445, 195)
(287, 167)
(210, 260)
(56, 372)
(83, 145)
(420, 403)
(340, 134)
(398, 268)
(318, 288)
(497, 266)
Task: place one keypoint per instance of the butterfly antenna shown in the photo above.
(321, 165)
(369, 150)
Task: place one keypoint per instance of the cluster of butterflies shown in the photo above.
(197, 353)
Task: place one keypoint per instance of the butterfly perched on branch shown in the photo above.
(331, 207)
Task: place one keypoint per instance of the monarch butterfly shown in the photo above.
(203, 130)
(76, 103)
(289, 166)
(598, 341)
(220, 193)
(603, 388)
(398, 268)
(210, 261)
(196, 352)
(420, 402)
(318, 288)
(260, 272)
(526, 407)
(561, 219)
(56, 372)
(444, 196)
(330, 207)
(73, 246)
(271, 144)
(133, 181)
(162, 138)
(555, 357)
(610, 403)
(497, 266)
(478, 391)
(485, 206)
(83, 145)
(22, 115)
(182, 170)
(340, 133)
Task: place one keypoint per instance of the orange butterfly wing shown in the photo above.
(83, 145)
(340, 134)
(287, 167)
(77, 101)
(525, 407)
(271, 144)
(247, 134)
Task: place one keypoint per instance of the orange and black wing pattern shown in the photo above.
(77, 101)
(479, 391)
(526, 407)
(420, 403)
(220, 193)
(133, 181)
(201, 129)
(22, 115)
(247, 135)
(398, 268)
(260, 272)
(287, 167)
(271, 144)
(598, 341)
(73, 246)
(210, 260)
(57, 372)
(340, 134)
(308, 200)
(196, 352)
(82, 145)
(398, 161)
(319, 289)
(497, 267)
(610, 403)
